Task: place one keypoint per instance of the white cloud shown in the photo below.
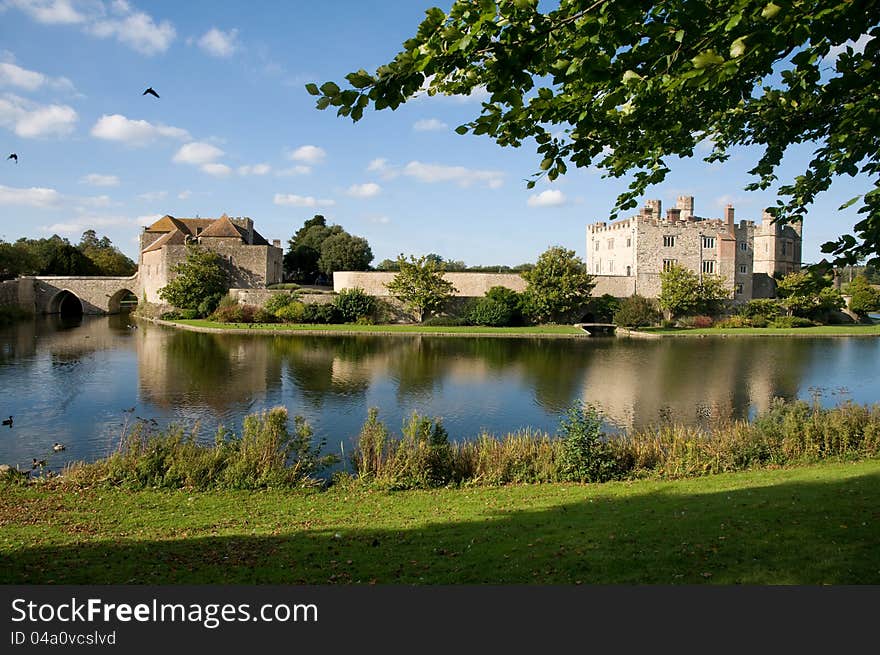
(28, 119)
(12, 74)
(97, 179)
(83, 223)
(293, 200)
(49, 12)
(117, 127)
(119, 20)
(857, 46)
(183, 195)
(462, 176)
(429, 125)
(367, 190)
(385, 170)
(217, 170)
(218, 43)
(548, 198)
(299, 169)
(138, 31)
(40, 197)
(308, 154)
(256, 169)
(153, 196)
(382, 220)
(197, 152)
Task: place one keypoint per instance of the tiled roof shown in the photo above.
(222, 227)
(175, 237)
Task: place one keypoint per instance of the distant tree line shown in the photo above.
(57, 256)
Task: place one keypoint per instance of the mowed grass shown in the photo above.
(811, 525)
(817, 330)
(352, 328)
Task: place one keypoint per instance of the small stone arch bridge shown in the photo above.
(54, 294)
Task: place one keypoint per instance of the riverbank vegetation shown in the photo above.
(268, 454)
(57, 256)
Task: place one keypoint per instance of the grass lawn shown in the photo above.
(811, 525)
(351, 328)
(819, 330)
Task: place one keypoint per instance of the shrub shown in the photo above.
(513, 301)
(235, 314)
(354, 304)
(791, 322)
(264, 316)
(759, 322)
(603, 308)
(489, 312)
(734, 322)
(766, 308)
(321, 314)
(291, 313)
(279, 301)
(636, 311)
(446, 321)
(696, 322)
(586, 456)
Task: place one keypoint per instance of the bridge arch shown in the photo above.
(120, 299)
(66, 303)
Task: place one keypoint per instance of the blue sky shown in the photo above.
(235, 131)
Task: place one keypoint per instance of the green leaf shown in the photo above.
(738, 47)
(329, 88)
(849, 203)
(547, 163)
(707, 58)
(631, 76)
(770, 10)
(360, 79)
(312, 88)
(323, 103)
(461, 129)
(733, 22)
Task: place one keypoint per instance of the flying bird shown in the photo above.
(8, 421)
(151, 92)
(13, 156)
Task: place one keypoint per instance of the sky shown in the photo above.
(234, 131)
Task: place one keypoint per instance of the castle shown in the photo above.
(627, 256)
(251, 261)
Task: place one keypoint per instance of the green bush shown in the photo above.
(766, 308)
(586, 456)
(235, 314)
(734, 322)
(637, 311)
(321, 314)
(446, 321)
(696, 322)
(603, 308)
(291, 313)
(489, 312)
(791, 322)
(354, 304)
(512, 300)
(279, 301)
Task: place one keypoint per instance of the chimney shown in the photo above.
(276, 243)
(728, 217)
(654, 207)
(686, 205)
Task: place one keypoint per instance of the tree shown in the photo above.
(420, 285)
(636, 311)
(864, 298)
(625, 86)
(199, 281)
(106, 257)
(683, 293)
(808, 293)
(559, 285)
(344, 252)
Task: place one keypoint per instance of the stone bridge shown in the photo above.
(54, 294)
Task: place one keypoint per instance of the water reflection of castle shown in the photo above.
(635, 383)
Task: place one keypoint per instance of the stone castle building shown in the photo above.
(628, 255)
(251, 260)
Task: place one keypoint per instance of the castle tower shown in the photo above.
(686, 205)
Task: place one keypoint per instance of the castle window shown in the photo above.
(783, 248)
(743, 245)
(611, 266)
(668, 241)
(597, 244)
(628, 271)
(628, 243)
(738, 289)
(709, 266)
(597, 267)
(742, 269)
(610, 244)
(668, 264)
(709, 242)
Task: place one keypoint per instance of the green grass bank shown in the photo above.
(812, 525)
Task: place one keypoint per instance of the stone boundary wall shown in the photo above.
(260, 297)
(9, 292)
(619, 286)
(468, 285)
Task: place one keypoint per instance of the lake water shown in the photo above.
(78, 381)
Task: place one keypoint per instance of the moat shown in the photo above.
(80, 381)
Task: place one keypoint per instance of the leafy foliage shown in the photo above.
(320, 248)
(637, 311)
(586, 456)
(57, 256)
(354, 304)
(684, 293)
(420, 285)
(586, 74)
(809, 293)
(343, 252)
(199, 282)
(106, 257)
(864, 298)
(559, 285)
